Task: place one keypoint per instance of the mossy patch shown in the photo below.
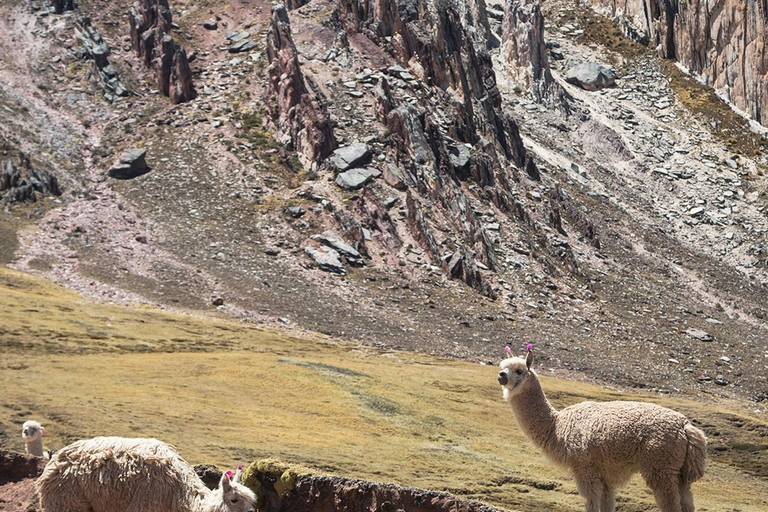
(272, 475)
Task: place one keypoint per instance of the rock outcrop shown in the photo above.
(98, 51)
(464, 142)
(153, 43)
(301, 119)
(59, 6)
(724, 42)
(523, 49)
(20, 183)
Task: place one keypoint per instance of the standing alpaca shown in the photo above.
(114, 474)
(32, 434)
(603, 444)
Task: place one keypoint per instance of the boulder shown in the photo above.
(327, 259)
(591, 76)
(354, 155)
(459, 155)
(356, 178)
(132, 163)
(699, 335)
(334, 241)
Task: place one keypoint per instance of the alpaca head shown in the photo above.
(233, 496)
(31, 431)
(515, 371)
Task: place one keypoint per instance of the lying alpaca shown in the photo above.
(114, 474)
(603, 444)
(32, 434)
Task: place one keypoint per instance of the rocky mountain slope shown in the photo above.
(406, 173)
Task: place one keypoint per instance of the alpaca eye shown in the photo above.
(233, 500)
(519, 371)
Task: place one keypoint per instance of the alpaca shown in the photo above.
(604, 444)
(32, 434)
(114, 474)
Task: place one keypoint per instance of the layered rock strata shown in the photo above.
(300, 117)
(462, 141)
(722, 42)
(98, 51)
(153, 43)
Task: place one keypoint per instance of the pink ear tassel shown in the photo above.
(528, 347)
(229, 473)
(508, 351)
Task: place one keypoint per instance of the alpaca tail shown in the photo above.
(696, 455)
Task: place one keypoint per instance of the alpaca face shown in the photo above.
(235, 496)
(31, 431)
(513, 373)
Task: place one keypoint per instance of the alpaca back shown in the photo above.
(112, 474)
(622, 437)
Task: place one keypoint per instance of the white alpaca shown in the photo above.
(32, 434)
(114, 474)
(603, 444)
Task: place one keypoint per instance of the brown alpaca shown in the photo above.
(604, 444)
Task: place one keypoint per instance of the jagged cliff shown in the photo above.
(150, 23)
(300, 116)
(722, 42)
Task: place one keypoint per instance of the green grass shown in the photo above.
(228, 393)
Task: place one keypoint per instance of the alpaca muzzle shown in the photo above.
(502, 378)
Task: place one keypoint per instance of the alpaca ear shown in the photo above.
(225, 484)
(42, 431)
(529, 359)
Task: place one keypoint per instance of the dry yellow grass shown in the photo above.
(228, 393)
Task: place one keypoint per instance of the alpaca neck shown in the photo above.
(35, 447)
(209, 501)
(535, 415)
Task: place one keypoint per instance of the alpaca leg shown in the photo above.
(667, 496)
(686, 498)
(591, 489)
(608, 502)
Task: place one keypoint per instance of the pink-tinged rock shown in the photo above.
(723, 43)
(152, 41)
(302, 121)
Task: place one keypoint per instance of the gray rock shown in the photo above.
(235, 37)
(334, 241)
(327, 259)
(459, 155)
(591, 76)
(356, 178)
(211, 24)
(243, 46)
(699, 335)
(295, 211)
(354, 155)
(132, 163)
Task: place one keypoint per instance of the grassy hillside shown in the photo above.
(228, 393)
